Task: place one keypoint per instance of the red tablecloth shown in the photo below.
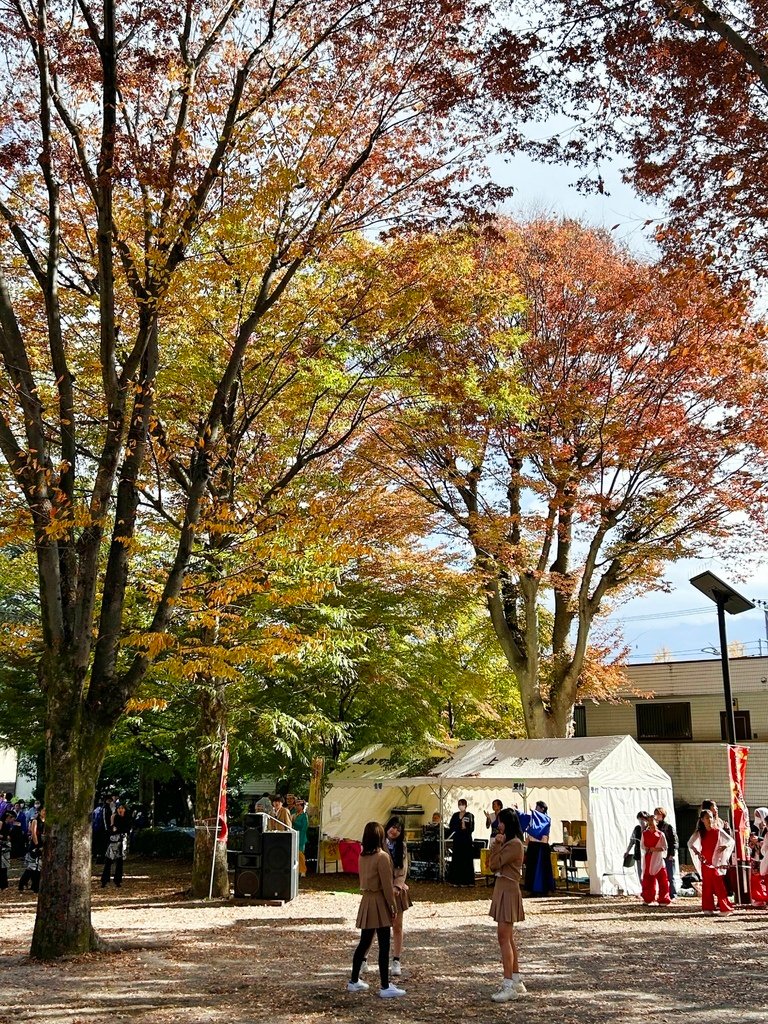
(349, 852)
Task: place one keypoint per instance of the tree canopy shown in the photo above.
(144, 147)
(598, 418)
(677, 89)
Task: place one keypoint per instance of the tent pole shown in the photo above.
(442, 838)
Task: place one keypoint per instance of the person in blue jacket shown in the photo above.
(539, 879)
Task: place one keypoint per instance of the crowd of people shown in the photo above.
(519, 860)
(654, 847)
(22, 834)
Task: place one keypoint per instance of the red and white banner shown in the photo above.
(737, 771)
(223, 831)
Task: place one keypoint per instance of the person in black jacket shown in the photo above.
(670, 860)
(462, 868)
(118, 846)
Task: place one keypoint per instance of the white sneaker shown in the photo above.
(363, 966)
(396, 970)
(357, 986)
(506, 993)
(391, 992)
(521, 989)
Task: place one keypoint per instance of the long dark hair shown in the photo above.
(398, 853)
(373, 838)
(511, 823)
(702, 829)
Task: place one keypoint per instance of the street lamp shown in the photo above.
(727, 600)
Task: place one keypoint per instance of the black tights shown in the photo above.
(366, 940)
(33, 877)
(118, 862)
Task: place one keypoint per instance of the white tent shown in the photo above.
(603, 780)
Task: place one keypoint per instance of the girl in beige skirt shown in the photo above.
(398, 851)
(506, 861)
(377, 909)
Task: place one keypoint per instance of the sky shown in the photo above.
(681, 621)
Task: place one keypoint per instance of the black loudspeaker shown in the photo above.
(252, 838)
(248, 875)
(280, 865)
(257, 821)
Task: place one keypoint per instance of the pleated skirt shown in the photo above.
(373, 912)
(507, 903)
(402, 900)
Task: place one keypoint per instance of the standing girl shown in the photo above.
(377, 909)
(711, 848)
(33, 859)
(506, 861)
(398, 851)
(462, 867)
(655, 877)
(117, 847)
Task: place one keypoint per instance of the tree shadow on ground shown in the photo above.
(585, 962)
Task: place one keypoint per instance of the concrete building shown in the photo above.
(680, 721)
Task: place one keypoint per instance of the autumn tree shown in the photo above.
(139, 144)
(312, 378)
(397, 651)
(606, 419)
(677, 90)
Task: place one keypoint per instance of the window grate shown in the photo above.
(658, 721)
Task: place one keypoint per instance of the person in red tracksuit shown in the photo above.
(712, 847)
(653, 844)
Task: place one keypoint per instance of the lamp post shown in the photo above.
(729, 600)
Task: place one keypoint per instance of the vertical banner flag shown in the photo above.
(223, 829)
(737, 770)
(316, 789)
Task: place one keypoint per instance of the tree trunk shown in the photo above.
(212, 734)
(75, 749)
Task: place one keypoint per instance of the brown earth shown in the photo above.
(178, 961)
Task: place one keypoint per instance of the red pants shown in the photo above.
(713, 888)
(757, 887)
(649, 884)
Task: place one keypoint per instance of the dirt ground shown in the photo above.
(585, 960)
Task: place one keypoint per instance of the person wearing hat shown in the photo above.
(301, 824)
(281, 813)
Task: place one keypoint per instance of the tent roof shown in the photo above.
(603, 760)
(374, 764)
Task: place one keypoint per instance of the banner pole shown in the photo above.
(214, 844)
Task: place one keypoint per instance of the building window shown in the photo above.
(579, 720)
(659, 721)
(743, 727)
